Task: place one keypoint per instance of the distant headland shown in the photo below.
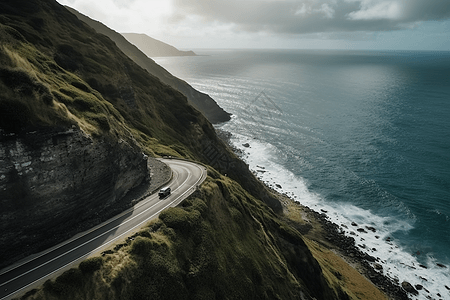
(153, 47)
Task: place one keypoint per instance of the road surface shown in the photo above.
(35, 270)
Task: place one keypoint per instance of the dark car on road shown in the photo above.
(164, 192)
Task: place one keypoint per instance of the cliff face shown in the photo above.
(52, 179)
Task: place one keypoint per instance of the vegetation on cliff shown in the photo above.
(203, 102)
(227, 241)
(222, 243)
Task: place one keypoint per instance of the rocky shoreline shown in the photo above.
(348, 250)
(334, 236)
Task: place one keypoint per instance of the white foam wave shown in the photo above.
(375, 232)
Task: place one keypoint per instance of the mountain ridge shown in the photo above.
(153, 47)
(203, 102)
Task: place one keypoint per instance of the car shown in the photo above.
(164, 192)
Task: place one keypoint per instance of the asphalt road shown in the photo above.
(35, 270)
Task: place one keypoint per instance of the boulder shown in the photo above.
(409, 288)
(378, 267)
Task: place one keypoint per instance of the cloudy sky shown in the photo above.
(311, 24)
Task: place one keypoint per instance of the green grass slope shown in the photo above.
(220, 244)
(203, 102)
(62, 72)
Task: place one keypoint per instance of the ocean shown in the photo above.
(362, 135)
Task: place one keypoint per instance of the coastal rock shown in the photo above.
(409, 288)
(52, 180)
(246, 145)
(354, 224)
(371, 228)
(378, 267)
(347, 245)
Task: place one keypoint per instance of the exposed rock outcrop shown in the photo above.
(52, 179)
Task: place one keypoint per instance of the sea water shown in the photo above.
(362, 135)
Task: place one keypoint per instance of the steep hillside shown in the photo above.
(199, 100)
(221, 244)
(76, 117)
(70, 96)
(153, 47)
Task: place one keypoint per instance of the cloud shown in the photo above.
(271, 23)
(311, 16)
(125, 15)
(390, 10)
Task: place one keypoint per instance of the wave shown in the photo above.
(373, 234)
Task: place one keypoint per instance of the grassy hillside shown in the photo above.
(227, 241)
(59, 71)
(199, 100)
(220, 244)
(87, 81)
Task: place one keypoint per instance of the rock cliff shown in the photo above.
(52, 179)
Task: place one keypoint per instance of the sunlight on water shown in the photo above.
(362, 135)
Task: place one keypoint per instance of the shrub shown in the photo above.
(66, 284)
(82, 104)
(47, 98)
(180, 219)
(18, 80)
(102, 122)
(68, 58)
(143, 246)
(15, 34)
(91, 265)
(81, 86)
(61, 97)
(68, 92)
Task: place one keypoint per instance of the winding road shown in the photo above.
(35, 270)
